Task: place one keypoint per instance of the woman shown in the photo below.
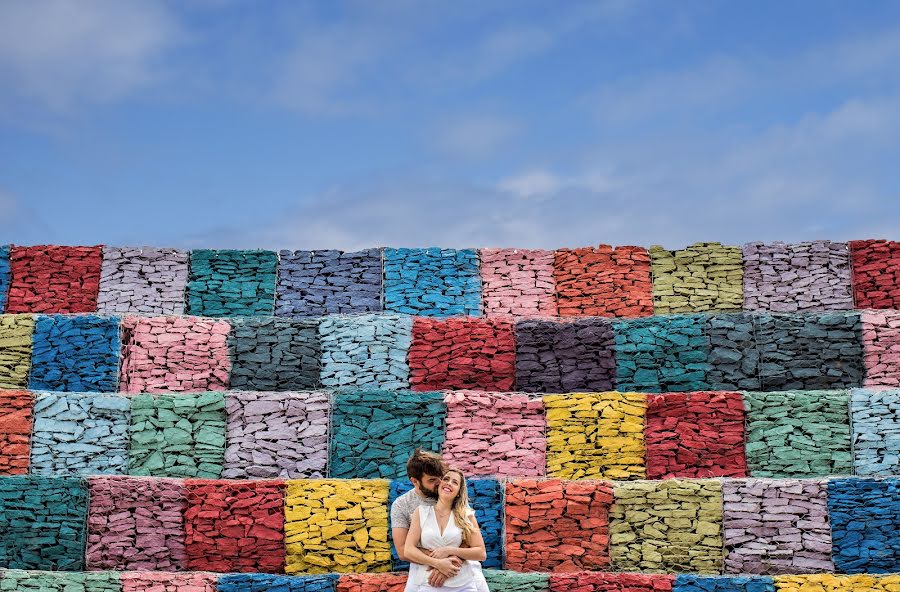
(447, 530)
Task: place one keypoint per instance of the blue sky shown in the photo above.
(411, 123)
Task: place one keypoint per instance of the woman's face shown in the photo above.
(449, 486)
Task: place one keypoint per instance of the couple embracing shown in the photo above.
(435, 529)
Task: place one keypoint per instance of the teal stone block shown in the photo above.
(231, 283)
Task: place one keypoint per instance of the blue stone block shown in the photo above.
(4, 275)
(432, 282)
(695, 583)
(865, 525)
(875, 417)
(314, 283)
(258, 582)
(75, 353)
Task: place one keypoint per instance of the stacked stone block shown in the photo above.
(274, 354)
(15, 431)
(567, 356)
(595, 435)
(135, 523)
(511, 581)
(694, 583)
(271, 435)
(695, 435)
(374, 432)
(315, 283)
(558, 526)
(432, 282)
(365, 351)
(814, 351)
(876, 273)
(177, 435)
(337, 526)
(781, 277)
(875, 420)
(48, 581)
(231, 283)
(667, 526)
(274, 583)
(776, 527)
(15, 350)
(144, 280)
(75, 353)
(462, 353)
(374, 582)
(80, 434)
(798, 434)
(865, 524)
(170, 354)
(603, 281)
(836, 583)
(4, 275)
(234, 526)
(662, 354)
(160, 581)
(52, 279)
(517, 282)
(702, 277)
(733, 352)
(610, 582)
(881, 347)
(42, 521)
(495, 434)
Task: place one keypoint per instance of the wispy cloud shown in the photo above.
(473, 137)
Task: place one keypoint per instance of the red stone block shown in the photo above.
(697, 434)
(557, 526)
(611, 582)
(603, 281)
(235, 526)
(386, 582)
(53, 279)
(876, 273)
(462, 353)
(15, 431)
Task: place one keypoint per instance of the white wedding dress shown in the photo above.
(432, 538)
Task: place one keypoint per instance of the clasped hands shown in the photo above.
(449, 565)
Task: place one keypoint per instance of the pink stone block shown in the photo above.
(496, 433)
(517, 282)
(881, 348)
(174, 354)
(157, 581)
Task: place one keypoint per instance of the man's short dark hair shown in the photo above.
(424, 462)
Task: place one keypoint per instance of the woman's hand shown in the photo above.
(443, 552)
(446, 566)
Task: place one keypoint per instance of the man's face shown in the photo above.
(429, 485)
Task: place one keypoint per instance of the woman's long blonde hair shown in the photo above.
(460, 506)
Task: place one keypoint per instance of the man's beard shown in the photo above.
(431, 493)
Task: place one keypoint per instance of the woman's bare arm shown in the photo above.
(414, 554)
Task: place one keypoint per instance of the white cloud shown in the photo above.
(474, 137)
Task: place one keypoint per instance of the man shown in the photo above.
(425, 470)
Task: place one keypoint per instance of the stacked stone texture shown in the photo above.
(374, 582)
(667, 526)
(43, 523)
(517, 282)
(232, 283)
(865, 524)
(274, 354)
(80, 434)
(814, 351)
(798, 277)
(373, 432)
(135, 523)
(565, 356)
(798, 434)
(837, 583)
(511, 581)
(875, 420)
(557, 526)
(876, 273)
(337, 526)
(462, 353)
(595, 435)
(4, 275)
(662, 354)
(365, 351)
(695, 435)
(170, 354)
(610, 582)
(495, 434)
(692, 583)
(271, 435)
(15, 350)
(75, 353)
(603, 281)
(178, 435)
(157, 581)
(15, 431)
(702, 277)
(48, 581)
(881, 348)
(315, 283)
(144, 280)
(733, 352)
(53, 279)
(258, 582)
(432, 282)
(234, 526)
(776, 527)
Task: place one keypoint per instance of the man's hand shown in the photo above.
(441, 552)
(436, 576)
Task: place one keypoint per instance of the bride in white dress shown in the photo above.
(440, 533)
